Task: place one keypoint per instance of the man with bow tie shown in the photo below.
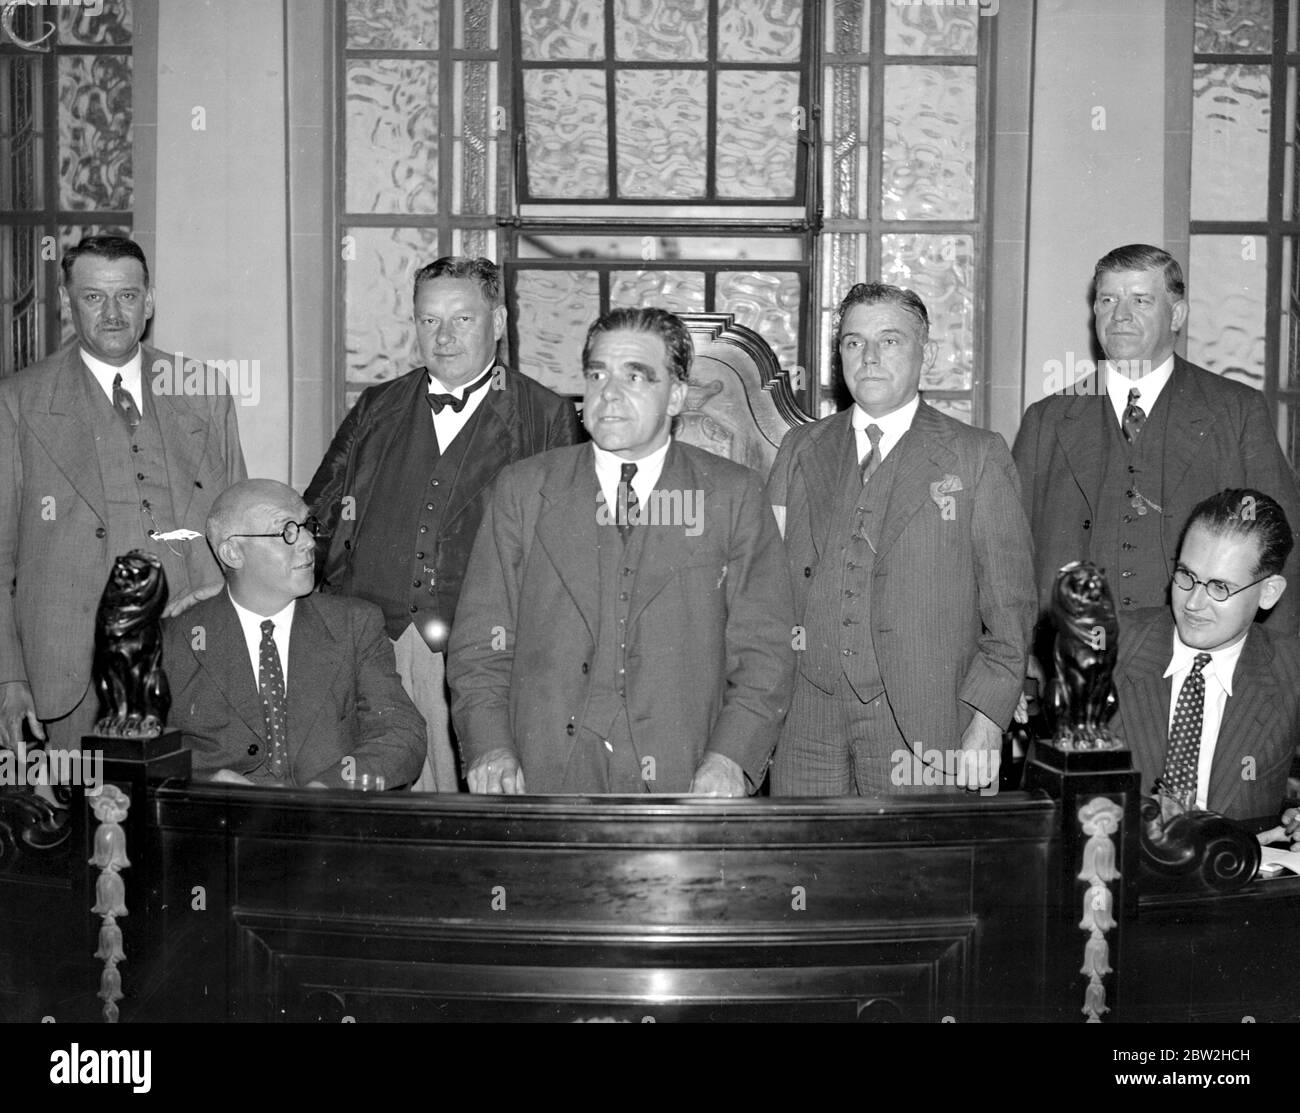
(910, 558)
(403, 485)
(1112, 466)
(626, 622)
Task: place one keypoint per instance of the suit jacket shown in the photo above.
(1219, 436)
(952, 600)
(514, 422)
(55, 552)
(1261, 720)
(344, 697)
(709, 628)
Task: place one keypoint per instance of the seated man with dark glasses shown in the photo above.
(274, 685)
(1209, 698)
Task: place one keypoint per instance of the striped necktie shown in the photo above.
(871, 461)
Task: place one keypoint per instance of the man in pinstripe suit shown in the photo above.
(911, 561)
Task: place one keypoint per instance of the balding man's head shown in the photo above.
(247, 530)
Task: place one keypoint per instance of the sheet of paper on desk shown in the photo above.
(1273, 860)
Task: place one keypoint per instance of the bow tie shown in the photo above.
(438, 401)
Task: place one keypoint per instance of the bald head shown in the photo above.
(246, 530)
(240, 506)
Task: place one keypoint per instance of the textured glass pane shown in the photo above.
(555, 30)
(1234, 26)
(847, 27)
(21, 297)
(555, 308)
(393, 24)
(378, 289)
(1226, 284)
(843, 265)
(929, 153)
(474, 242)
(474, 147)
(95, 132)
(931, 29)
(959, 408)
(845, 148)
(392, 138)
(680, 291)
(83, 25)
(768, 302)
(941, 270)
(1230, 119)
(70, 234)
(21, 136)
(760, 30)
(661, 30)
(647, 248)
(564, 114)
(476, 24)
(662, 118)
(757, 133)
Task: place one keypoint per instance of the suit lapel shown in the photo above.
(1079, 433)
(921, 452)
(225, 659)
(183, 431)
(821, 463)
(315, 657)
(1144, 696)
(666, 547)
(566, 529)
(64, 425)
(1190, 416)
(493, 444)
(1249, 716)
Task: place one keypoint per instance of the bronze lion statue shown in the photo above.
(133, 695)
(1083, 689)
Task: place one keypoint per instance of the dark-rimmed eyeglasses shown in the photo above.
(1215, 589)
(289, 535)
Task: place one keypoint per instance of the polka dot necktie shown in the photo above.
(1134, 416)
(1183, 755)
(627, 496)
(270, 681)
(871, 461)
(125, 403)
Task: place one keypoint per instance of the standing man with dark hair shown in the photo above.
(910, 558)
(98, 456)
(403, 485)
(1112, 467)
(1209, 700)
(626, 621)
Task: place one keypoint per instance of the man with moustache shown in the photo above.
(1112, 467)
(625, 625)
(910, 558)
(403, 485)
(96, 458)
(272, 685)
(1209, 699)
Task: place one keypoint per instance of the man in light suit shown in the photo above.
(272, 685)
(1112, 467)
(910, 557)
(1209, 699)
(626, 619)
(99, 454)
(402, 488)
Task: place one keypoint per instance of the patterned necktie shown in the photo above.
(438, 401)
(125, 403)
(270, 681)
(1134, 416)
(871, 461)
(1183, 755)
(627, 496)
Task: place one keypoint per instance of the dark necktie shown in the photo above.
(270, 681)
(871, 461)
(627, 497)
(1183, 755)
(1134, 416)
(125, 403)
(438, 401)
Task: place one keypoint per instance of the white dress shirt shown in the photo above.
(892, 427)
(1148, 386)
(131, 373)
(448, 423)
(251, 624)
(609, 469)
(1218, 687)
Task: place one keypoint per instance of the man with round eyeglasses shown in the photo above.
(1209, 699)
(274, 685)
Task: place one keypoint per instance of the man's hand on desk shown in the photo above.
(229, 777)
(497, 772)
(16, 704)
(981, 745)
(718, 775)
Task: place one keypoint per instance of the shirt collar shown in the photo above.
(609, 467)
(892, 425)
(105, 373)
(458, 392)
(1223, 661)
(251, 619)
(1148, 386)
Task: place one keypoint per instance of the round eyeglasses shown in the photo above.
(1215, 589)
(289, 535)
